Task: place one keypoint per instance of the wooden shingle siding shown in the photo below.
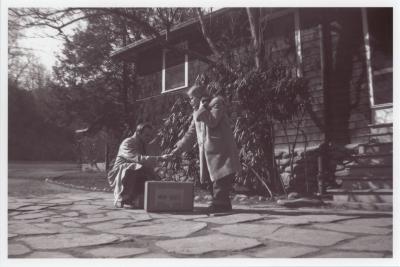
(311, 69)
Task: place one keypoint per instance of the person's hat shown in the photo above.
(197, 91)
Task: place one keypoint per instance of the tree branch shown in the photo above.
(206, 35)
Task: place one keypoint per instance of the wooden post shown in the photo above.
(107, 161)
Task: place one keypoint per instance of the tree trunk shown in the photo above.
(253, 15)
(124, 91)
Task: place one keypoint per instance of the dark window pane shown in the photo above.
(279, 40)
(380, 26)
(174, 70)
(383, 92)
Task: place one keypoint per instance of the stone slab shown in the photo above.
(86, 209)
(369, 243)
(203, 244)
(232, 218)
(34, 207)
(186, 216)
(308, 237)
(29, 229)
(105, 226)
(154, 255)
(72, 224)
(13, 213)
(307, 219)
(71, 214)
(258, 231)
(284, 252)
(96, 215)
(17, 250)
(60, 228)
(36, 215)
(59, 202)
(49, 254)
(62, 241)
(115, 252)
(61, 219)
(127, 214)
(95, 220)
(353, 228)
(174, 229)
(377, 222)
(350, 254)
(237, 256)
(124, 221)
(135, 217)
(15, 206)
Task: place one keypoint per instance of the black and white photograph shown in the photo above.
(239, 135)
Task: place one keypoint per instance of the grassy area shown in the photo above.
(97, 181)
(87, 180)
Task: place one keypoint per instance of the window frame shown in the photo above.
(297, 34)
(368, 57)
(163, 78)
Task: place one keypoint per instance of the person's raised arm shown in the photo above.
(211, 114)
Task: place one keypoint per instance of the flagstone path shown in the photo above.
(86, 225)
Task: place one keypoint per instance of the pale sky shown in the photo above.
(45, 48)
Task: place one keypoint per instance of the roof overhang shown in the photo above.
(131, 50)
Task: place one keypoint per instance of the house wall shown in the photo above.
(153, 105)
(311, 71)
(347, 91)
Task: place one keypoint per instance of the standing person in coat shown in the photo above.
(219, 156)
(132, 167)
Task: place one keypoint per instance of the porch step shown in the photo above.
(381, 128)
(382, 132)
(381, 207)
(365, 183)
(374, 159)
(375, 148)
(369, 170)
(381, 137)
(365, 196)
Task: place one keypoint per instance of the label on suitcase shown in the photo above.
(168, 196)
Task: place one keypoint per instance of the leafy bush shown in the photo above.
(174, 128)
(259, 101)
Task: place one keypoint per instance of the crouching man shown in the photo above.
(133, 167)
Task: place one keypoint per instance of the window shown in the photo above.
(378, 33)
(283, 40)
(175, 70)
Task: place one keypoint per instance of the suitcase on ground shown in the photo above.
(168, 196)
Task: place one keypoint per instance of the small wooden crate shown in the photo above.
(168, 196)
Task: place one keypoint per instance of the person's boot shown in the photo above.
(214, 208)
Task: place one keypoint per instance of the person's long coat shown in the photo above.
(218, 153)
(131, 156)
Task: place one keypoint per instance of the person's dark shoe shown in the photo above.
(215, 208)
(137, 203)
(130, 206)
(119, 204)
